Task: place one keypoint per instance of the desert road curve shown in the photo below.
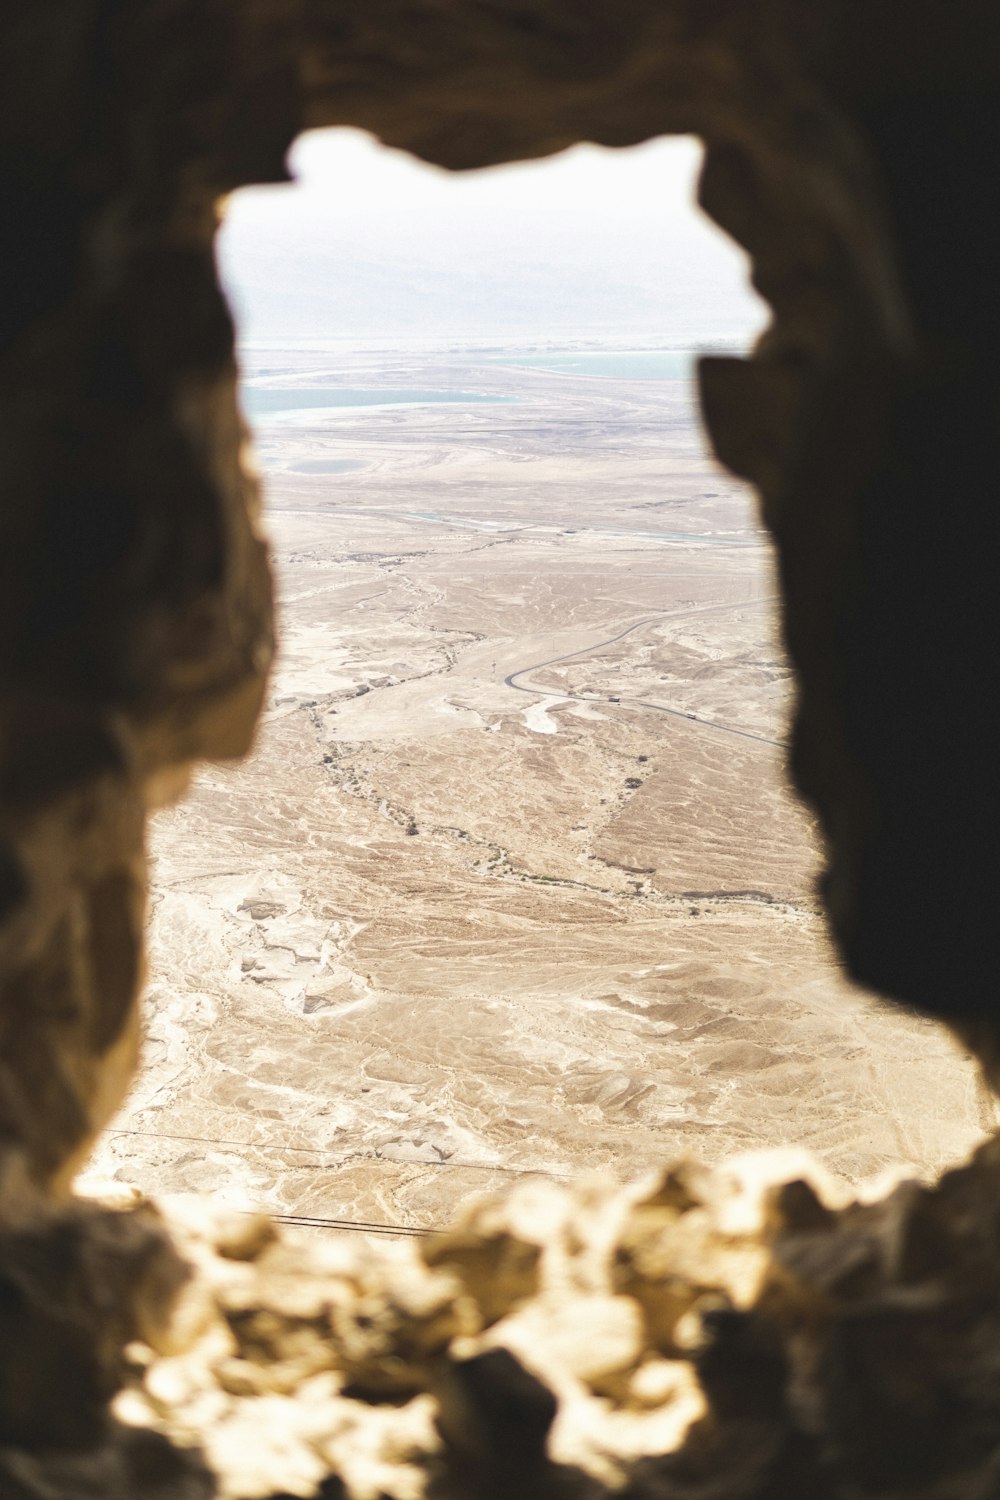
(677, 713)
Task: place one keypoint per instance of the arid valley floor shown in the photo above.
(512, 883)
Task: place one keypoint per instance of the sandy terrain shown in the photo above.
(512, 883)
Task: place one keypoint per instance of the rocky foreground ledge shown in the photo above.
(751, 1331)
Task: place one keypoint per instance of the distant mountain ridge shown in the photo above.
(296, 281)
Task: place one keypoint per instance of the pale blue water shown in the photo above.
(636, 364)
(327, 466)
(261, 401)
(573, 528)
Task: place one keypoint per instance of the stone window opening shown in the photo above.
(267, 1122)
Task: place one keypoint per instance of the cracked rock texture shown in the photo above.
(851, 148)
(747, 1332)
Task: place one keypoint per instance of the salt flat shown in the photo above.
(512, 882)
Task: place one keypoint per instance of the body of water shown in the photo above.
(328, 466)
(262, 401)
(467, 523)
(623, 364)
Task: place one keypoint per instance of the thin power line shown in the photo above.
(326, 1156)
(354, 1226)
(318, 1221)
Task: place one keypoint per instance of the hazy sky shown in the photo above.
(371, 238)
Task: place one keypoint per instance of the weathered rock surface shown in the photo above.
(752, 1331)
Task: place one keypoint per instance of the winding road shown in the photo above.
(677, 713)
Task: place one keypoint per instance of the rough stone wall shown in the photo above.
(749, 1333)
(851, 148)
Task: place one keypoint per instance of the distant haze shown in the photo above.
(370, 243)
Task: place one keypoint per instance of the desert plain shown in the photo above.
(513, 882)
